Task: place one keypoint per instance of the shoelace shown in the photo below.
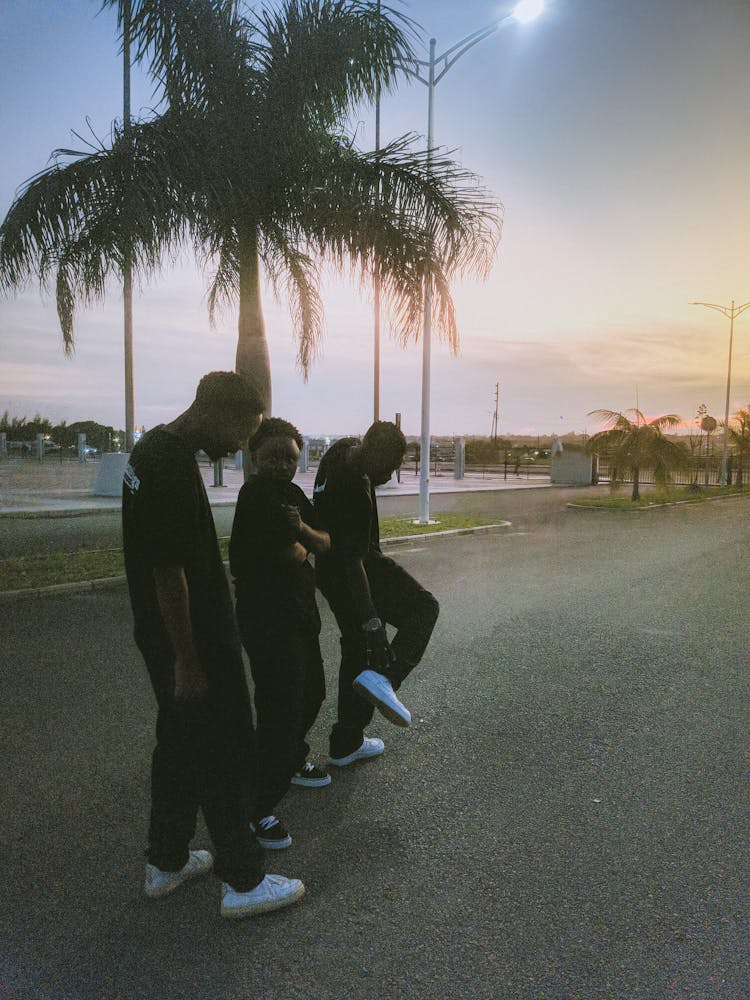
(308, 767)
(267, 822)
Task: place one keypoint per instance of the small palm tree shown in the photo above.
(739, 437)
(252, 166)
(632, 445)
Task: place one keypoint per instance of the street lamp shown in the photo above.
(731, 312)
(127, 265)
(430, 72)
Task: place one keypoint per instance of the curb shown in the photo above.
(653, 506)
(113, 582)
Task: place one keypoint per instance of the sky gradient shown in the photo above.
(614, 134)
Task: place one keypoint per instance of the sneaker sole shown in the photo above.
(312, 782)
(274, 845)
(390, 713)
(266, 906)
(352, 758)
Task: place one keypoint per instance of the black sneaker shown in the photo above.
(310, 776)
(271, 834)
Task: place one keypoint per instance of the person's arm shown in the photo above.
(174, 603)
(311, 538)
(379, 652)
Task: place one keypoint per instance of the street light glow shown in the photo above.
(527, 10)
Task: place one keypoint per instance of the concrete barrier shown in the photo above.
(109, 476)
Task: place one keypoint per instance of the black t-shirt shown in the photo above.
(346, 506)
(270, 590)
(167, 521)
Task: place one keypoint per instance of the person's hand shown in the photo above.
(293, 517)
(379, 653)
(190, 683)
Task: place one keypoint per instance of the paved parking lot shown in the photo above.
(562, 821)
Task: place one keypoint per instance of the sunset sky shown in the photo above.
(615, 134)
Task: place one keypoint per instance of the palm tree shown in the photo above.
(739, 436)
(634, 445)
(251, 165)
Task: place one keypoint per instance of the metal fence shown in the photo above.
(699, 472)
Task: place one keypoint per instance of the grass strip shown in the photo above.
(49, 568)
(620, 500)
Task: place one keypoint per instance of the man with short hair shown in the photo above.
(366, 590)
(184, 627)
(273, 532)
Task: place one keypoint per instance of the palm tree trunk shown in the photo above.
(252, 360)
(636, 495)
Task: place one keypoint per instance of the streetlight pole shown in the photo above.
(127, 266)
(376, 284)
(732, 312)
(430, 72)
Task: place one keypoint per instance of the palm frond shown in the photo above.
(321, 57)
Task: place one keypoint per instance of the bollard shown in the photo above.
(219, 472)
(39, 447)
(81, 447)
(304, 456)
(460, 459)
(238, 464)
(3, 445)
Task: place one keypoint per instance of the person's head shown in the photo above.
(227, 411)
(382, 451)
(275, 448)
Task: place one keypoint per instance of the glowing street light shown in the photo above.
(527, 10)
(430, 72)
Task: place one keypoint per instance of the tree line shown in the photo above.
(63, 434)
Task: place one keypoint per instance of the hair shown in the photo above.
(386, 440)
(275, 427)
(229, 392)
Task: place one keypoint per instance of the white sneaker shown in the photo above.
(274, 892)
(159, 883)
(377, 689)
(371, 747)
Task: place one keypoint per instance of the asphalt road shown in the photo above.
(563, 819)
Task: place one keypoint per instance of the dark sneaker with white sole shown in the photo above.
(271, 834)
(371, 747)
(378, 690)
(311, 776)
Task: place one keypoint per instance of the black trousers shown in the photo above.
(287, 669)
(400, 601)
(204, 758)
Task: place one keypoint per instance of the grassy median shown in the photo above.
(50, 568)
(620, 499)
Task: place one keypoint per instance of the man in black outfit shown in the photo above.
(185, 630)
(274, 530)
(366, 590)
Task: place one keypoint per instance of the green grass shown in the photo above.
(396, 527)
(620, 499)
(50, 568)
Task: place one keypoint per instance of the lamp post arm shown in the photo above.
(448, 58)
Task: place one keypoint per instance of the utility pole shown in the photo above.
(495, 427)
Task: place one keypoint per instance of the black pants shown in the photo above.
(399, 601)
(204, 758)
(287, 669)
